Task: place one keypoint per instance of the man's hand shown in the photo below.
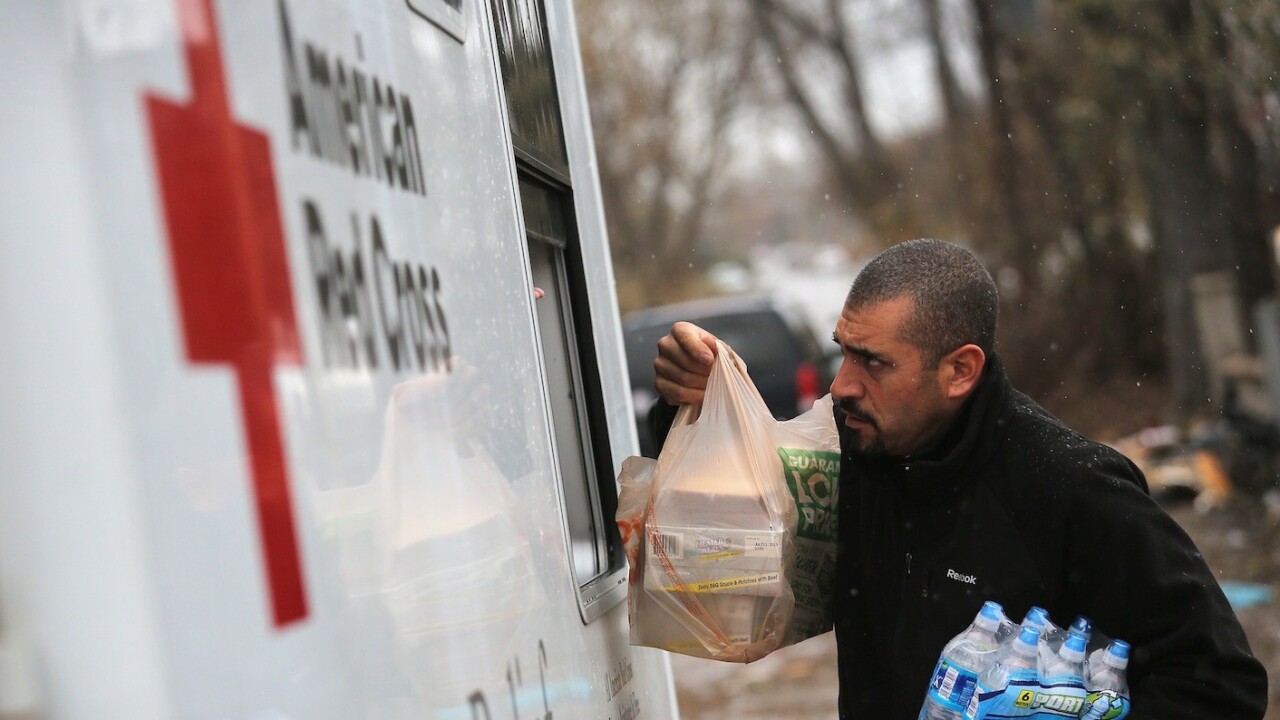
(684, 363)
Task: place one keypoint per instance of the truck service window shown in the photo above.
(572, 376)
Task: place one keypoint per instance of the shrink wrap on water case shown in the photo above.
(718, 569)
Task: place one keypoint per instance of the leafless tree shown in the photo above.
(666, 81)
(818, 63)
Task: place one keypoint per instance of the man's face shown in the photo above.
(886, 398)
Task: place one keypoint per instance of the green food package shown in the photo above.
(813, 478)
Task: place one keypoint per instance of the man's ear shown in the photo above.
(961, 370)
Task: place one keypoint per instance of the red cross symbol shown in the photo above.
(231, 275)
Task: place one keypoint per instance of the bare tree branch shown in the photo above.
(841, 158)
(804, 26)
(854, 95)
(1004, 160)
(659, 213)
(948, 86)
(730, 92)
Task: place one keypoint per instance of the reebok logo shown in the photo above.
(971, 579)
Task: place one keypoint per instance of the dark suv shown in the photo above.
(785, 362)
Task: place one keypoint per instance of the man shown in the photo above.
(955, 488)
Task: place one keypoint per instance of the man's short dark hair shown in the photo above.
(954, 300)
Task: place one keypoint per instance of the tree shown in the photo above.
(666, 81)
(1200, 169)
(818, 62)
(1108, 154)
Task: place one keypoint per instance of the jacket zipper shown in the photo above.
(906, 616)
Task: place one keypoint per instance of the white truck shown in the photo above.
(313, 388)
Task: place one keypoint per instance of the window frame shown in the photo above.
(608, 587)
(602, 592)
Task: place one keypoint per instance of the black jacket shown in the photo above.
(1016, 507)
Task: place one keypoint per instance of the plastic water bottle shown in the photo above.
(1083, 626)
(955, 678)
(1069, 662)
(1109, 674)
(1106, 684)
(1037, 617)
(1019, 655)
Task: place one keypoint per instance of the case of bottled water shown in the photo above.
(995, 669)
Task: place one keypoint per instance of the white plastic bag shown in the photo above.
(713, 549)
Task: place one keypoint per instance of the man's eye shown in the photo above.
(875, 362)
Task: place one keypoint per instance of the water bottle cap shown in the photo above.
(989, 616)
(1036, 617)
(1077, 641)
(1117, 654)
(1074, 647)
(1026, 642)
(1082, 625)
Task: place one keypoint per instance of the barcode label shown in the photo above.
(671, 544)
(953, 687)
(948, 683)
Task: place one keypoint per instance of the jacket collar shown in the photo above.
(972, 439)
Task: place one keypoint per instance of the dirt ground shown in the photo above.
(795, 682)
(1240, 541)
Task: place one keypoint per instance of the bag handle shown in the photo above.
(689, 414)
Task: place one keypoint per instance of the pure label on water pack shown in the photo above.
(1029, 697)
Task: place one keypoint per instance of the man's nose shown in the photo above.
(847, 383)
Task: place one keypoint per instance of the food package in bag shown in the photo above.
(809, 449)
(713, 552)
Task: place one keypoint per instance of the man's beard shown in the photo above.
(856, 446)
(853, 442)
